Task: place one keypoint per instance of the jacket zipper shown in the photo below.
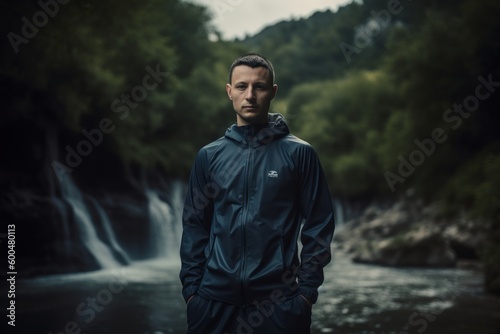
(244, 277)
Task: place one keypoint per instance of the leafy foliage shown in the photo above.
(90, 57)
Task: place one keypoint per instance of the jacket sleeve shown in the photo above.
(196, 221)
(317, 231)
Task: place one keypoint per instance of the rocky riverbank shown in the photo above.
(409, 233)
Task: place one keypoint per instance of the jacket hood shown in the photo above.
(259, 134)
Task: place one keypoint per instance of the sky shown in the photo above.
(236, 18)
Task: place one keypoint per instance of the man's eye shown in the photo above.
(240, 87)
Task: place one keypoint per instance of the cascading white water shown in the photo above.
(53, 186)
(86, 230)
(110, 234)
(86, 216)
(165, 220)
(177, 197)
(59, 205)
(338, 212)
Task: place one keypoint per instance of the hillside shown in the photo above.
(400, 102)
(330, 44)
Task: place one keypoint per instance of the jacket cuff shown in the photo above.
(310, 293)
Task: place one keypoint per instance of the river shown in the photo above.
(144, 298)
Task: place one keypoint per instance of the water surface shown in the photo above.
(145, 298)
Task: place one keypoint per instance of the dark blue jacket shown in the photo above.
(248, 194)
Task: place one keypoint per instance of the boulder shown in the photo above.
(407, 233)
(414, 248)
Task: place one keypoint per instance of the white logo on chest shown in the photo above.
(272, 173)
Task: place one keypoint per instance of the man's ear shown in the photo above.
(228, 91)
(275, 90)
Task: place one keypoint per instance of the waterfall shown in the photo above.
(177, 199)
(57, 202)
(63, 212)
(109, 233)
(165, 219)
(338, 212)
(85, 227)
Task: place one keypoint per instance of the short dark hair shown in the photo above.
(253, 60)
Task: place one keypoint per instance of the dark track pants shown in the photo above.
(205, 316)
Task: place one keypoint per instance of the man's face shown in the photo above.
(251, 91)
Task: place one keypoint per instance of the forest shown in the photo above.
(397, 98)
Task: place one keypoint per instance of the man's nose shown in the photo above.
(250, 93)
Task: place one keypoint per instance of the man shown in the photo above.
(248, 194)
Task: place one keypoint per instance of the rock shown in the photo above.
(415, 248)
(406, 234)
